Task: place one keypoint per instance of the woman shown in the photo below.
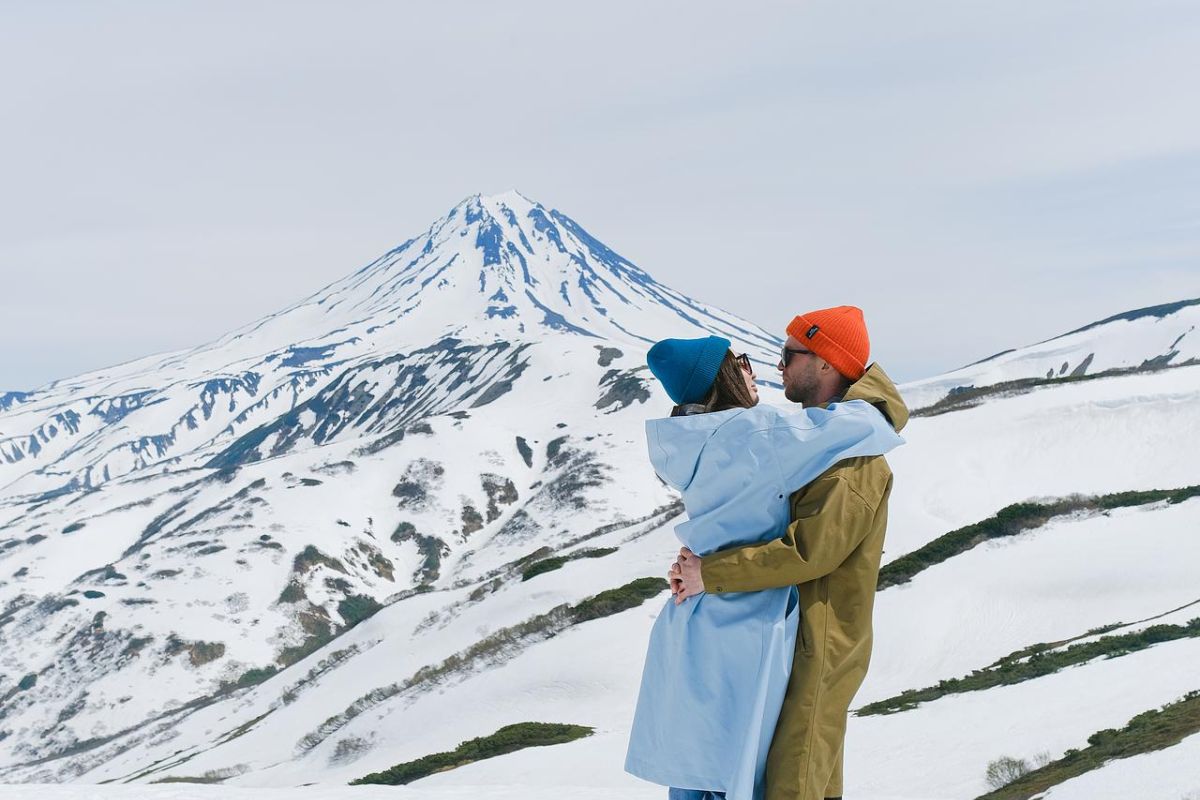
(717, 666)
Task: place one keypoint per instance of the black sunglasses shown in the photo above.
(744, 360)
(786, 354)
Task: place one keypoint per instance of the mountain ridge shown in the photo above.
(1144, 338)
(500, 268)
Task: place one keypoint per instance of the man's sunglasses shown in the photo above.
(786, 354)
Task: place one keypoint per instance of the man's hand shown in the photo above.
(684, 576)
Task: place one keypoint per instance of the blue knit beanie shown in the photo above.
(686, 368)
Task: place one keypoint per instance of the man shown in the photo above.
(831, 552)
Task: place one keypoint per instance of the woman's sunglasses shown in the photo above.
(744, 360)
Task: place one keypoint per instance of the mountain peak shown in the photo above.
(505, 265)
(511, 198)
(497, 206)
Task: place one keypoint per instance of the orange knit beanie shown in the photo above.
(838, 335)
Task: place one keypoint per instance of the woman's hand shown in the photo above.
(684, 576)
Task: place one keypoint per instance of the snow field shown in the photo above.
(1096, 437)
(1044, 585)
(392, 650)
(1116, 344)
(176, 791)
(1171, 774)
(942, 748)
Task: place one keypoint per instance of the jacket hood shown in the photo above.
(675, 443)
(877, 389)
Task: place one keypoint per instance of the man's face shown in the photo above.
(802, 375)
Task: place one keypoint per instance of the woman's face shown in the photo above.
(748, 376)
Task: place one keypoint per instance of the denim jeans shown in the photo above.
(693, 794)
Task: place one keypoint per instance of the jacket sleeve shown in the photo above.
(830, 520)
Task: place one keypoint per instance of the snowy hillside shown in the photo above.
(196, 520)
(374, 525)
(1144, 339)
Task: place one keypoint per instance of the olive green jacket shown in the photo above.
(831, 552)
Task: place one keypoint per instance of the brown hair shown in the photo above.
(728, 391)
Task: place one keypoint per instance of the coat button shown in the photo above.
(720, 588)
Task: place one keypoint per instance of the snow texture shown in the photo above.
(420, 432)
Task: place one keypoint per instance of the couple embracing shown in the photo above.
(754, 660)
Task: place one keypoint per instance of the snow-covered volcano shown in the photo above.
(435, 323)
(196, 520)
(377, 524)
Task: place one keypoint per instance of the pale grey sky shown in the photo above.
(976, 175)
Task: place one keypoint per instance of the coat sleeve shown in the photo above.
(830, 520)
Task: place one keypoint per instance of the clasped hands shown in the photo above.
(684, 576)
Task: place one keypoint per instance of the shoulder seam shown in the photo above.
(836, 476)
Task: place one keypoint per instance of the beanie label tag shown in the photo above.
(812, 331)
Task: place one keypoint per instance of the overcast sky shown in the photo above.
(975, 175)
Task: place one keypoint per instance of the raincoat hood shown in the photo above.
(677, 442)
(877, 389)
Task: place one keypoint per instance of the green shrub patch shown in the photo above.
(1015, 519)
(311, 557)
(508, 739)
(1149, 731)
(251, 677)
(555, 562)
(293, 592)
(356, 608)
(1034, 662)
(614, 601)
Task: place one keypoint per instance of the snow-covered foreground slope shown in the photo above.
(1057, 582)
(942, 750)
(953, 618)
(1173, 773)
(1095, 437)
(185, 791)
(1048, 585)
(323, 577)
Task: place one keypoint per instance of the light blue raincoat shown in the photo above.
(717, 666)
